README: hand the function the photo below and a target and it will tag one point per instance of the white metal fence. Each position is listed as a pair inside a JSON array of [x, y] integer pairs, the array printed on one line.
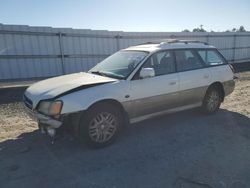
[[37, 52]]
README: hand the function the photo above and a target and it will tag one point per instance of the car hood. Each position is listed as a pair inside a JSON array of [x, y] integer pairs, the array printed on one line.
[[53, 87]]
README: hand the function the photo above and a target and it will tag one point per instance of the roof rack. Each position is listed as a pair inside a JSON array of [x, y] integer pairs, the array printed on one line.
[[187, 41], [169, 41]]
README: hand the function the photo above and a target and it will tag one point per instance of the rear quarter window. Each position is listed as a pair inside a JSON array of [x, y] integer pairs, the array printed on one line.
[[211, 57]]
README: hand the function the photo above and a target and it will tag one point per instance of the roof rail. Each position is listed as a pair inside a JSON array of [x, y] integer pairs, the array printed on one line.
[[151, 42], [169, 41], [187, 41]]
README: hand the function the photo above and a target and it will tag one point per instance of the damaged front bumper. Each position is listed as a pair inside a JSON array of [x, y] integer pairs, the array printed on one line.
[[48, 121]]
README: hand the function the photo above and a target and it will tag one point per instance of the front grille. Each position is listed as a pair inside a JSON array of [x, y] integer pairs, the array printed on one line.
[[28, 103]]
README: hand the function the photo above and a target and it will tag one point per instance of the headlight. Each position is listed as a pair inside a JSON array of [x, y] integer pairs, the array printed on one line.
[[50, 108]]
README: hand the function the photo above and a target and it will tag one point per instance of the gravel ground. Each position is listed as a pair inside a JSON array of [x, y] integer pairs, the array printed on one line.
[[186, 149], [14, 121], [239, 100]]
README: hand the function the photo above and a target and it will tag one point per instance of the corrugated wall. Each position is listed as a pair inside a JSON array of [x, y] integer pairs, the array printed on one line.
[[37, 52]]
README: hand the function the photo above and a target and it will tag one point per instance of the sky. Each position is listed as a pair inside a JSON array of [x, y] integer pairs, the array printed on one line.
[[128, 15]]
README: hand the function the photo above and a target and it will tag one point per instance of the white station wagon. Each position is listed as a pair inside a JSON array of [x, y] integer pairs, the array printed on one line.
[[129, 86]]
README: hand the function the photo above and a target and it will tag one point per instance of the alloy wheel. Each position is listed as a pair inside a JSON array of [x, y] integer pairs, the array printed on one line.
[[103, 127]]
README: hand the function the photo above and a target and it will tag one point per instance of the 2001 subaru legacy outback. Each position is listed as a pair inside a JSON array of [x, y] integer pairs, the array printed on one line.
[[132, 85]]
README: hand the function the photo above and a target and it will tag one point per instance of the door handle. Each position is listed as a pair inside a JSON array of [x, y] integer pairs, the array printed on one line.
[[172, 83]]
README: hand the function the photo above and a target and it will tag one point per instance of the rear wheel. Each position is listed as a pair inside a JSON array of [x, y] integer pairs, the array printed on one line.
[[101, 125], [212, 100]]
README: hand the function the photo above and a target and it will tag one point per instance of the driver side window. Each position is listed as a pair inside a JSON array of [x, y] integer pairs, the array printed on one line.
[[162, 62]]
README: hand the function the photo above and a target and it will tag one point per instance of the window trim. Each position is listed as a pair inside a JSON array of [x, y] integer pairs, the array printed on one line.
[[176, 71]]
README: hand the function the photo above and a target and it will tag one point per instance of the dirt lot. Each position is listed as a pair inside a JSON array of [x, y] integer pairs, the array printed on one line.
[[186, 149]]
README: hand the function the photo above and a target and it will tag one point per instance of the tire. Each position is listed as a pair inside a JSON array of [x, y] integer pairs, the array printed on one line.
[[212, 100], [100, 125]]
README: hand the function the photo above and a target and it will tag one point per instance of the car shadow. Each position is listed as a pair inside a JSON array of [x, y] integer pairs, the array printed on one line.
[[152, 153]]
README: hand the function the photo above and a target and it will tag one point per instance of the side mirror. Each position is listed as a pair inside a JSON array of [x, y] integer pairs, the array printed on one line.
[[147, 73]]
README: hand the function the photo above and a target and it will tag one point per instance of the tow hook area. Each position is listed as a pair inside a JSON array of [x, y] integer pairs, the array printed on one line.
[[45, 129], [51, 132]]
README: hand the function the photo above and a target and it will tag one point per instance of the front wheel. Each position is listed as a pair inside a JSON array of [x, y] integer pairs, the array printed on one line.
[[212, 100], [100, 126]]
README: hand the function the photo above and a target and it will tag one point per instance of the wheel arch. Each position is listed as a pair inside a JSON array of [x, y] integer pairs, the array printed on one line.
[[116, 104], [72, 120]]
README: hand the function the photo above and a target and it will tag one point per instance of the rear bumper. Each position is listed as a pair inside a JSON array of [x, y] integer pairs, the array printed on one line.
[[52, 123]]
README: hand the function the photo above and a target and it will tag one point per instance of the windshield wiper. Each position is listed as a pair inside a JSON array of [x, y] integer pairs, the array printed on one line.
[[108, 74], [98, 73], [113, 75]]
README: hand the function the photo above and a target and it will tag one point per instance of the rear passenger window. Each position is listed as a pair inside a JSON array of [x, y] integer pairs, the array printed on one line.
[[187, 60], [211, 57]]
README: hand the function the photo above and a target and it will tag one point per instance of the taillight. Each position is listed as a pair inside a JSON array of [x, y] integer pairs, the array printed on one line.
[[232, 68]]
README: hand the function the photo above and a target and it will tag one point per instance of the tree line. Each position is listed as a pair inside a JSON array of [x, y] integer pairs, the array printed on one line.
[[201, 29]]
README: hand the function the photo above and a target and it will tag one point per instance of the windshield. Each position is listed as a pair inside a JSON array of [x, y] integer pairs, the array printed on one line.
[[120, 64]]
